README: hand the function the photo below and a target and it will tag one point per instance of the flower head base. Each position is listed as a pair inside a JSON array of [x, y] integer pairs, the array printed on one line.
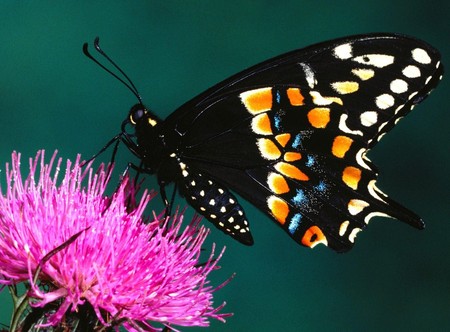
[[128, 271]]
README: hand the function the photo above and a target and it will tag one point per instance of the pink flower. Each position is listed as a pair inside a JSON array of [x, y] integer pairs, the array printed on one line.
[[130, 272]]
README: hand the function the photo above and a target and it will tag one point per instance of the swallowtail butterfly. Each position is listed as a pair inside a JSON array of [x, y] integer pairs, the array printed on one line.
[[291, 135]]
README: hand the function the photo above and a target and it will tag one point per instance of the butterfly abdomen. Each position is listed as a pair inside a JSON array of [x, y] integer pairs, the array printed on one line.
[[216, 203]]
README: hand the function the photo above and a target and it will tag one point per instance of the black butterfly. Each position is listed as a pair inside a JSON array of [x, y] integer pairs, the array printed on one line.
[[290, 135]]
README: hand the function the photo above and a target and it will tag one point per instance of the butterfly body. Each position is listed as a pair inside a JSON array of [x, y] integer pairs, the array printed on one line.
[[290, 135]]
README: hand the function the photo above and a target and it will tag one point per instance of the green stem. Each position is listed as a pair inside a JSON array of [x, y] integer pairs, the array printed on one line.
[[20, 303]]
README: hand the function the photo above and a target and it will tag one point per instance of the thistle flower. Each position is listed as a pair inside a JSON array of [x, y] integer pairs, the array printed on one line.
[[129, 272]]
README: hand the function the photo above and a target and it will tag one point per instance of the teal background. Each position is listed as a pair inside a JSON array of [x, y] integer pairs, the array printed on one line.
[[52, 97]]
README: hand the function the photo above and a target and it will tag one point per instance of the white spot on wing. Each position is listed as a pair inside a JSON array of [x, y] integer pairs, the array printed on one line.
[[382, 135], [343, 52], [374, 191], [343, 227], [412, 95], [399, 86], [309, 74], [375, 214], [377, 60], [343, 126], [398, 119], [411, 71], [369, 118], [360, 158], [421, 56], [384, 101], [355, 206], [353, 233]]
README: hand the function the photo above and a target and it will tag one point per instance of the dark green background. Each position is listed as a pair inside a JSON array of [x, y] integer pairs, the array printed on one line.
[[52, 97]]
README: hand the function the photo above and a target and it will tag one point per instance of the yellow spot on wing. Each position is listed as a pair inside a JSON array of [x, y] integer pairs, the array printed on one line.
[[341, 145], [363, 74], [291, 171], [268, 149], [345, 87], [320, 100], [295, 96], [351, 176], [319, 117], [278, 208], [292, 156], [283, 139], [261, 124], [277, 183], [313, 236], [258, 100]]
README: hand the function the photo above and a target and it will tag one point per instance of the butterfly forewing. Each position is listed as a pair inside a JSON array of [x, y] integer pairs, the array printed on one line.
[[291, 134]]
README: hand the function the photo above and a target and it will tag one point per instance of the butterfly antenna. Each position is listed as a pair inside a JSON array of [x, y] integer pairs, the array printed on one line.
[[128, 83]]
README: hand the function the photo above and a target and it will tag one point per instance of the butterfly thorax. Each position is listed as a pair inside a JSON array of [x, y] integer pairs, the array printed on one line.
[[150, 145]]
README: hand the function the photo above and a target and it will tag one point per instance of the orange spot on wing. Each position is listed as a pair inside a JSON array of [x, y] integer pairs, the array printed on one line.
[[277, 183], [283, 139], [291, 171], [351, 176], [341, 145], [268, 149], [295, 96], [292, 156], [279, 208], [313, 236], [319, 117], [258, 100], [261, 124]]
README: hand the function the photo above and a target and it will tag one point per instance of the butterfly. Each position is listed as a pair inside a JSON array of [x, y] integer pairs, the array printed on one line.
[[290, 135]]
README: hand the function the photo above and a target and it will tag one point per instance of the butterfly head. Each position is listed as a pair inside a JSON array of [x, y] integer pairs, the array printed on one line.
[[139, 116]]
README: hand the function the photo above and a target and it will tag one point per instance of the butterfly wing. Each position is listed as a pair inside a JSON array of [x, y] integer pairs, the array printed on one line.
[[291, 134]]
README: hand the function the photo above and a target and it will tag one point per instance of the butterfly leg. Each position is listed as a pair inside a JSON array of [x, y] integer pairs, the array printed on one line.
[[168, 203], [116, 139]]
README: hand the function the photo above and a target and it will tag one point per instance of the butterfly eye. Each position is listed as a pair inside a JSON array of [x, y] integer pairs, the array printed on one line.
[[137, 112]]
